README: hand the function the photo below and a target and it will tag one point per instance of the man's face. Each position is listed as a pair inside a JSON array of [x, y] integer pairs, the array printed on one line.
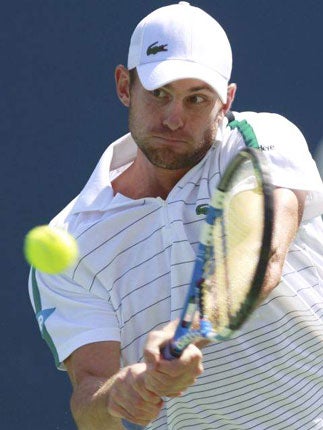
[[174, 126]]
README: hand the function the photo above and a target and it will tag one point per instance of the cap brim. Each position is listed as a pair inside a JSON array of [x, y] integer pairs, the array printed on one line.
[[158, 74]]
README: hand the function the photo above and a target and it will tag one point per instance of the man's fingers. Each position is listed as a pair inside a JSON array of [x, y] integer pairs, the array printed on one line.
[[171, 378], [190, 359], [156, 340], [129, 398]]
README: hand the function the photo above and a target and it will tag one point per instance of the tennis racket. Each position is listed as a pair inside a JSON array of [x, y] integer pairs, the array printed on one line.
[[232, 256]]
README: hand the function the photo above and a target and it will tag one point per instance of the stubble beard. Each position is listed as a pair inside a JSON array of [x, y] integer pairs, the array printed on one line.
[[165, 157]]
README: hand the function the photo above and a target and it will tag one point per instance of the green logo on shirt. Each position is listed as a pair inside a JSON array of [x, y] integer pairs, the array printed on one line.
[[201, 209]]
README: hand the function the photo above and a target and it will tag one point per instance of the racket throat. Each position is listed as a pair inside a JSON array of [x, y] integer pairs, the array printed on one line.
[[206, 329]]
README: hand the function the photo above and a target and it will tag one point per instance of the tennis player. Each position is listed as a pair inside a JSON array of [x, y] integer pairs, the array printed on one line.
[[137, 222]]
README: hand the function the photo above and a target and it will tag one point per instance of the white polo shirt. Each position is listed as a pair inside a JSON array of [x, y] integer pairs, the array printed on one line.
[[136, 258]]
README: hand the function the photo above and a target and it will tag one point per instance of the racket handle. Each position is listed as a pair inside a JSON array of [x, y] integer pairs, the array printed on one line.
[[169, 353], [131, 426]]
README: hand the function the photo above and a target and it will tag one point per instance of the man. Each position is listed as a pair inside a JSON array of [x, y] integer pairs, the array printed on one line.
[[107, 317]]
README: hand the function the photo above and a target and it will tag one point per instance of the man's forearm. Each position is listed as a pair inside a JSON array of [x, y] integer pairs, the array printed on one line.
[[89, 408]]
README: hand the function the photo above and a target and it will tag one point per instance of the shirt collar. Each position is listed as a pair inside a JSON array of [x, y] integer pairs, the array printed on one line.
[[98, 193]]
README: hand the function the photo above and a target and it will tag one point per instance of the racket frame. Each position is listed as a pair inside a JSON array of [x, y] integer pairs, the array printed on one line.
[[185, 332]]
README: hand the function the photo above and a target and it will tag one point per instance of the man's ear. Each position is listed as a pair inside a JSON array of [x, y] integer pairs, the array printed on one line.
[[122, 80], [232, 88]]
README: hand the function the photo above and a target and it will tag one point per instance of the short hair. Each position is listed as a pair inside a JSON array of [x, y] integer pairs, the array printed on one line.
[[133, 76]]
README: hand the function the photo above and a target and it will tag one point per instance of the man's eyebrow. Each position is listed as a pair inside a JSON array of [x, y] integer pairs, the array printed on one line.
[[204, 87]]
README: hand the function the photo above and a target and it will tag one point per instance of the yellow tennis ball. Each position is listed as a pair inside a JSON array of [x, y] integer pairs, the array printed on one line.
[[49, 249]]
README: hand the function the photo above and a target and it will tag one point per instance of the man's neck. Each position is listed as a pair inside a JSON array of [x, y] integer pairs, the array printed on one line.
[[142, 179]]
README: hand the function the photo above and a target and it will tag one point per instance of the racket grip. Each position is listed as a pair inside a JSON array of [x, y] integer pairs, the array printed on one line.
[[131, 426], [169, 353]]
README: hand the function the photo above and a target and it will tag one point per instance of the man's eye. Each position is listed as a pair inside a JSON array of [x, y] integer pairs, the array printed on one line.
[[159, 93], [195, 99]]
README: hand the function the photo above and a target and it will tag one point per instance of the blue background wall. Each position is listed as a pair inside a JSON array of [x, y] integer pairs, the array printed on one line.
[[58, 111]]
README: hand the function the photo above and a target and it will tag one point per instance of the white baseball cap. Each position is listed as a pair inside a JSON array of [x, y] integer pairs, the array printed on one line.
[[177, 42]]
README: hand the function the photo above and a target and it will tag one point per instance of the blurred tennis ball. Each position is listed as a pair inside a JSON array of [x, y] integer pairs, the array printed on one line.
[[49, 249]]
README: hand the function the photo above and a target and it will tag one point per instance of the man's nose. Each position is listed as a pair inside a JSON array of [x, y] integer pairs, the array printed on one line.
[[174, 115]]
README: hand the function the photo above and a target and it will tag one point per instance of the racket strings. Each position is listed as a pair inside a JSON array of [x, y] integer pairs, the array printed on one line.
[[236, 243]]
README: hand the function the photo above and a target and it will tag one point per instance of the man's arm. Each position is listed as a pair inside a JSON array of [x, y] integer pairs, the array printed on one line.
[[288, 207], [102, 393], [288, 212]]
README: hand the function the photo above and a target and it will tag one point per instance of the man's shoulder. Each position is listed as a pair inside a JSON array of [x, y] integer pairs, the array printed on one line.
[[268, 121], [95, 197], [264, 118], [271, 129]]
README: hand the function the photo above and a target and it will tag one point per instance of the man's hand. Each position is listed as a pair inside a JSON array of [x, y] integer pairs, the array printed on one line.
[[170, 378], [129, 398]]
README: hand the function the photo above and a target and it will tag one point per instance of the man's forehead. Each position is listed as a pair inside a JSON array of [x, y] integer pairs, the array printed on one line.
[[189, 85]]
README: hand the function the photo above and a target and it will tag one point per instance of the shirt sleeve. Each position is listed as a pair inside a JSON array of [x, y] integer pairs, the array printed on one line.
[[70, 316], [291, 163]]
